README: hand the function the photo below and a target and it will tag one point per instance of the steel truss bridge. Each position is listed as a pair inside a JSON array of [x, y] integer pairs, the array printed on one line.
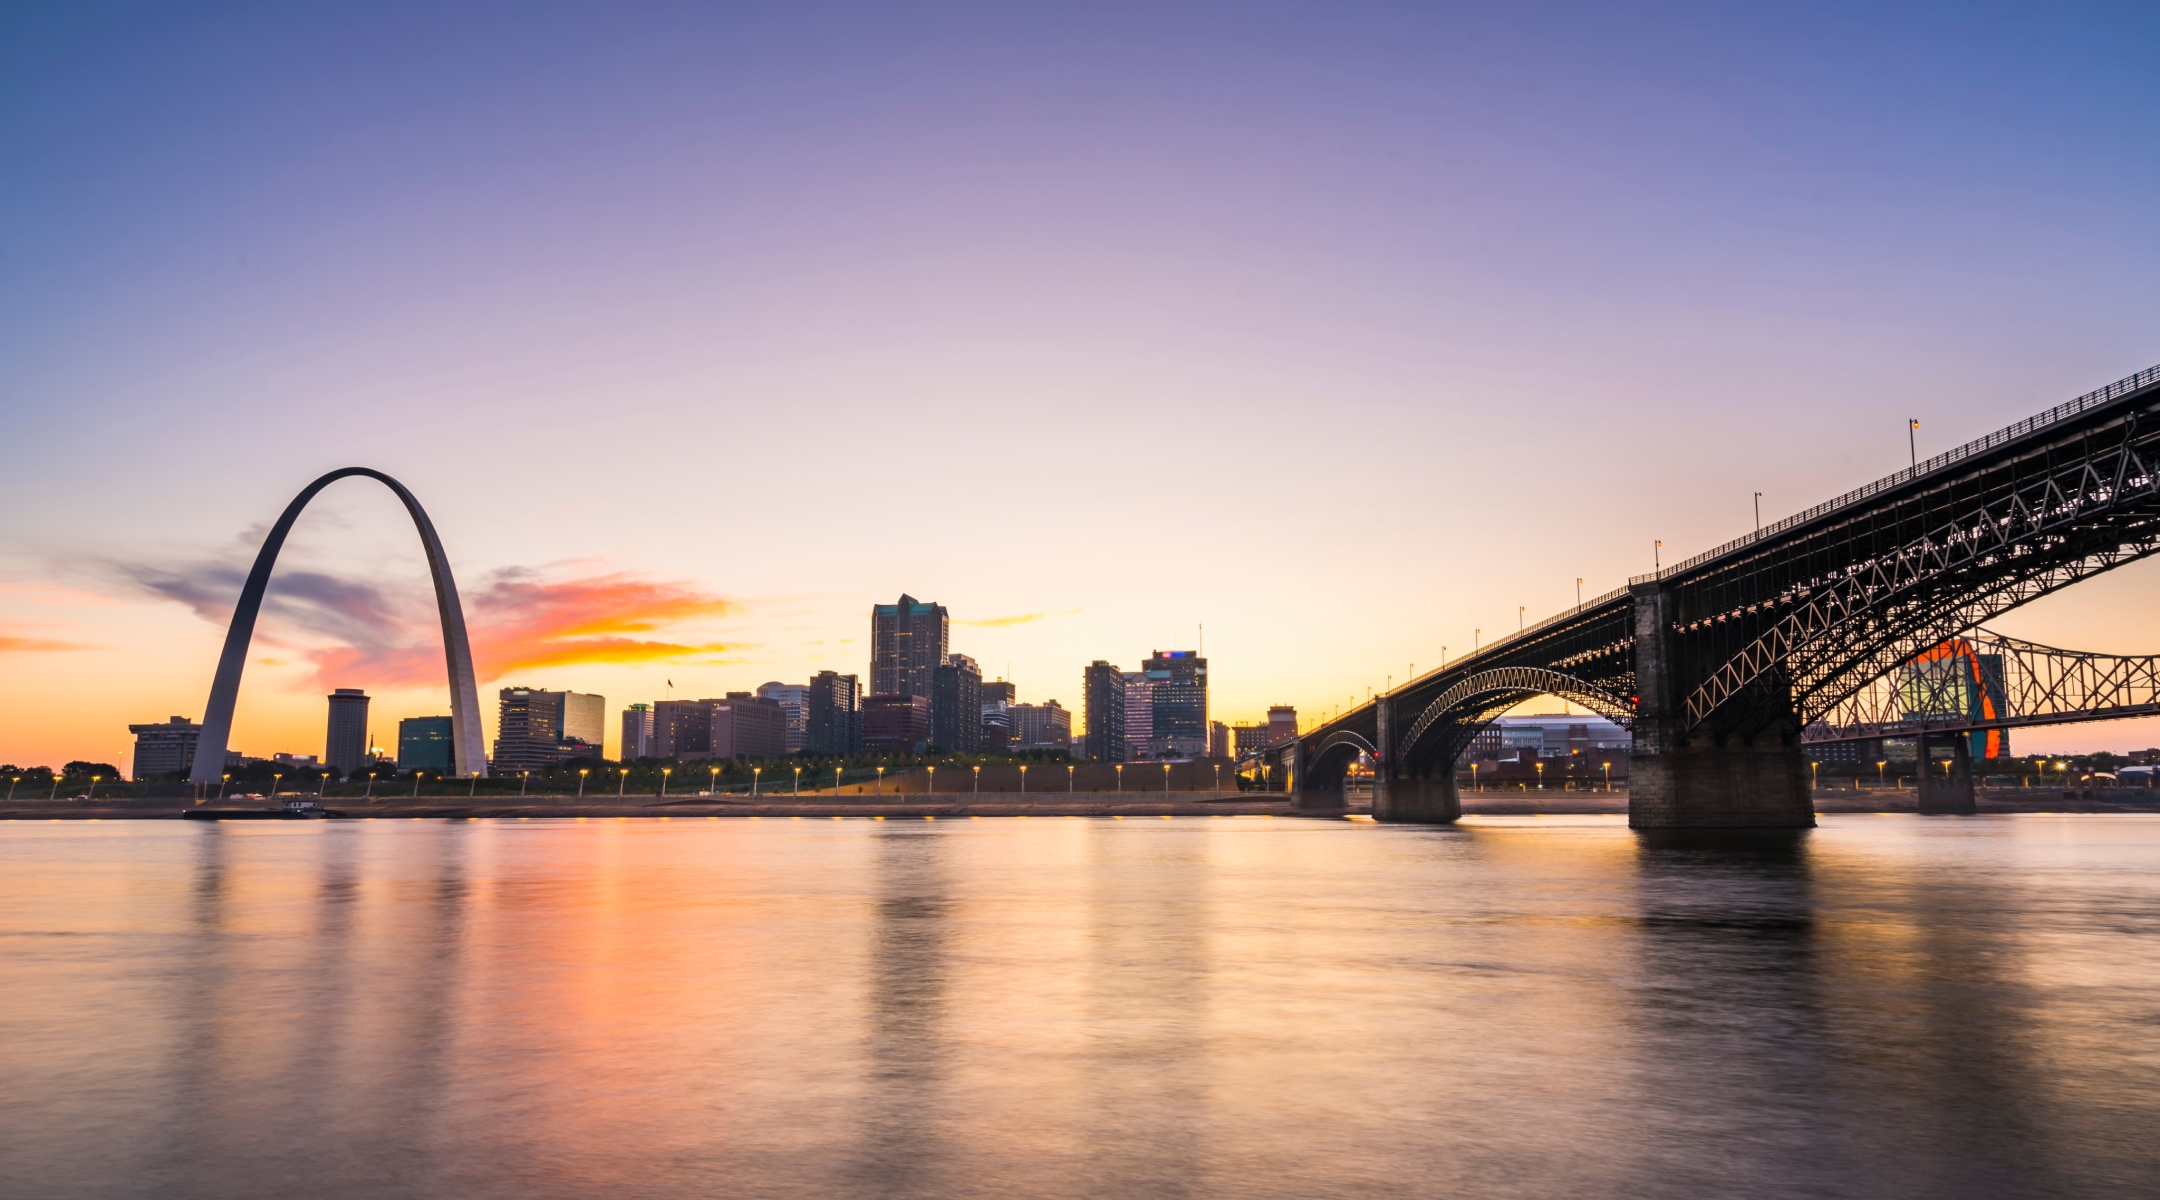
[[1725, 663], [1988, 681]]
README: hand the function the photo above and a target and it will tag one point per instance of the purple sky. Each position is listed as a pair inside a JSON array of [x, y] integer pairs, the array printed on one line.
[[1345, 331]]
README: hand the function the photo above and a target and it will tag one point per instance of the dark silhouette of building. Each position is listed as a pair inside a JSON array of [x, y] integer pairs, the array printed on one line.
[[164, 749], [907, 646], [426, 744], [832, 720], [1102, 707], [956, 690], [346, 744], [538, 728], [637, 733], [1045, 726], [749, 726], [1177, 685], [896, 724]]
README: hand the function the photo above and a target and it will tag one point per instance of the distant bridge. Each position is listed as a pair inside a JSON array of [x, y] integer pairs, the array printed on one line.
[[1725, 663]]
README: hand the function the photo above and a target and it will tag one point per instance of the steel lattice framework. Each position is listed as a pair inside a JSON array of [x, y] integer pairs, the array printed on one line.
[[1775, 632], [1956, 688]]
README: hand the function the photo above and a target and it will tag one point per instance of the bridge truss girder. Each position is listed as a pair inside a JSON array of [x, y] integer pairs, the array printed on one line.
[[1888, 584], [2040, 685]]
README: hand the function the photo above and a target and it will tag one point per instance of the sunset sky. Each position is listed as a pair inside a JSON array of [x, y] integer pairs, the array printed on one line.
[[1344, 330]]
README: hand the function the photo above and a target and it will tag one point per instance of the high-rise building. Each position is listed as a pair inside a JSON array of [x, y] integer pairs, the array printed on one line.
[[637, 733], [1045, 726], [997, 728], [832, 720], [164, 749], [425, 744], [539, 728], [346, 745], [1000, 689], [682, 729], [907, 646], [1178, 695], [1218, 740], [748, 726], [896, 724], [793, 699], [956, 689], [1102, 705], [1282, 724], [1139, 717]]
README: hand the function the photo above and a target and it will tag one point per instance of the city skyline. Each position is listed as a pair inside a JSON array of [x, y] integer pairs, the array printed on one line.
[[1291, 290]]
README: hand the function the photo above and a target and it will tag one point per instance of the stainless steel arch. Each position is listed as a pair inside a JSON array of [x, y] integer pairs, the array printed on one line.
[[225, 687]]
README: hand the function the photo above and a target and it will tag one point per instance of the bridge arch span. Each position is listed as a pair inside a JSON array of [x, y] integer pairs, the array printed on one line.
[[457, 651], [1448, 725], [1329, 761]]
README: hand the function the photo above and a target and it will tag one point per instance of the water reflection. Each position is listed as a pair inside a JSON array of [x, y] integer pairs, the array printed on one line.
[[1192, 1008]]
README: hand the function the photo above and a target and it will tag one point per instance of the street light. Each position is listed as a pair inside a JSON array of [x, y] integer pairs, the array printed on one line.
[[416, 783], [978, 781], [1166, 779], [1121, 779], [473, 789], [1069, 768], [754, 773], [836, 781], [11, 788], [798, 781], [712, 784], [881, 781], [273, 787], [581, 774], [664, 773], [55, 793], [1608, 777], [1023, 779], [222, 781], [93, 787], [1540, 776], [932, 787], [623, 781], [370, 794], [1474, 784], [524, 777], [1879, 783]]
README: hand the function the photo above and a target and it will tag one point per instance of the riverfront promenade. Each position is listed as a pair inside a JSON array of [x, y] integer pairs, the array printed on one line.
[[962, 805]]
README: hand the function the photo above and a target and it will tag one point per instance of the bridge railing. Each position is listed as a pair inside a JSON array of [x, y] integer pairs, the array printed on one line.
[[2061, 412]]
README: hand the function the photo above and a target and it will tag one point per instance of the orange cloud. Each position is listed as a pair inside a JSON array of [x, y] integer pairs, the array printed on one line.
[[519, 623], [28, 645], [1021, 619]]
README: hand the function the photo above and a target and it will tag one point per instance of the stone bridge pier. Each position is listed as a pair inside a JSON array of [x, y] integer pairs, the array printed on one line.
[[1704, 778], [1399, 796], [1947, 792]]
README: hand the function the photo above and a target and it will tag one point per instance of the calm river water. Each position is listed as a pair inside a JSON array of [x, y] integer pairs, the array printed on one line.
[[1235, 1007]]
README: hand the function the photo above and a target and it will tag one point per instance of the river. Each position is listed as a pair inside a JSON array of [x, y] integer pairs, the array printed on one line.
[[1199, 1007]]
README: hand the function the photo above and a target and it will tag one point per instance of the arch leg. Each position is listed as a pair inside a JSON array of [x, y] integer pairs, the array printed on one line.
[[1417, 801]]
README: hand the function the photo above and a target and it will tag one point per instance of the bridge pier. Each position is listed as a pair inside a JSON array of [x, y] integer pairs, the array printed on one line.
[[1680, 778], [1947, 793], [1416, 801]]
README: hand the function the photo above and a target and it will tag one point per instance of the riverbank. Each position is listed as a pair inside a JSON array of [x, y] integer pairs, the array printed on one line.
[[2000, 800]]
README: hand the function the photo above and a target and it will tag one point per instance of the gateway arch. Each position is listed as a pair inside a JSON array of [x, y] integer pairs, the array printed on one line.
[[225, 688]]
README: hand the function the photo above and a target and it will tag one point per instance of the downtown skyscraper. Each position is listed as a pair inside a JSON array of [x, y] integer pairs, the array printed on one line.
[[907, 646]]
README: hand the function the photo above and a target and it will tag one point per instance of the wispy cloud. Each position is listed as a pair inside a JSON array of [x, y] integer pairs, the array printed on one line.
[[13, 644], [352, 630], [1021, 619]]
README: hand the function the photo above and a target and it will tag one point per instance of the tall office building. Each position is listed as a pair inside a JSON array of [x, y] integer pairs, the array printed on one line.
[[346, 745], [996, 728], [682, 729], [1045, 726], [1177, 682], [956, 689], [425, 744], [1000, 689], [164, 749], [896, 724], [1102, 706], [538, 728], [1139, 717], [832, 717], [1282, 724], [907, 646], [637, 733], [1218, 743], [794, 700], [748, 726]]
